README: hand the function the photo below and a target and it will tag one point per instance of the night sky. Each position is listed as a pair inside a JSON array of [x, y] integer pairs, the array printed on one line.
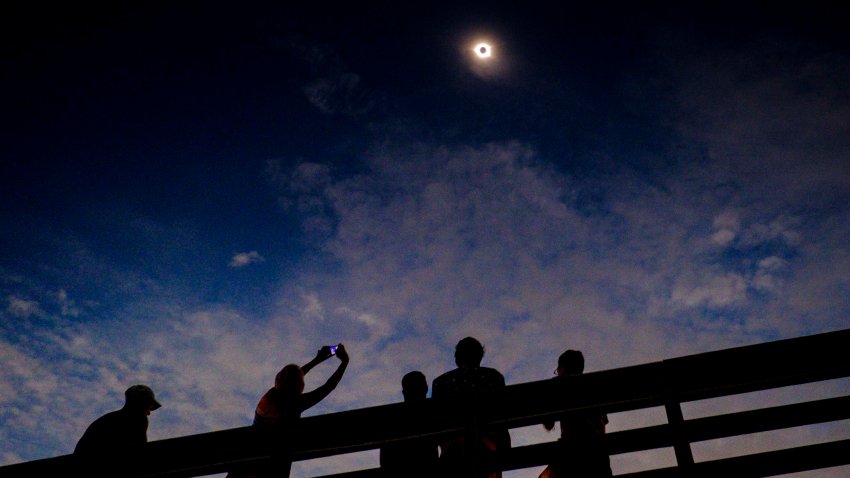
[[193, 196]]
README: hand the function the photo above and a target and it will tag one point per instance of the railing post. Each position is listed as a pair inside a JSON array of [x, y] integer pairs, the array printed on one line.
[[676, 420], [681, 443]]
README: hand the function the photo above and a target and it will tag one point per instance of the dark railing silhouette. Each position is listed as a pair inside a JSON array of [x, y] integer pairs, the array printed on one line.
[[667, 383]]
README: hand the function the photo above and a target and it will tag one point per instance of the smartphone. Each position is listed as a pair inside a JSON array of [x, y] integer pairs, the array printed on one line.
[[333, 349]]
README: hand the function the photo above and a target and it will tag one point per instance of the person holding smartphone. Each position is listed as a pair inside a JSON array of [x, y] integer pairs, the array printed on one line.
[[283, 404]]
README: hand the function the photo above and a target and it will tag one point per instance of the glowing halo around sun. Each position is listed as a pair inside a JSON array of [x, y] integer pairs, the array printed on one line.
[[483, 50], [485, 56]]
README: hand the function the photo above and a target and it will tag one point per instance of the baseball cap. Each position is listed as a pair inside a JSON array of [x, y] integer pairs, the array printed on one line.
[[142, 392]]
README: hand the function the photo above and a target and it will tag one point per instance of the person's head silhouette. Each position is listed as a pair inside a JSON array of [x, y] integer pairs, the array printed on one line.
[[468, 353], [570, 363], [290, 380], [140, 398], [414, 386]]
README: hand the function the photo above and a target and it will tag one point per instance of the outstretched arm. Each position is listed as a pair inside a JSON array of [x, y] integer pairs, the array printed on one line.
[[314, 397], [323, 354]]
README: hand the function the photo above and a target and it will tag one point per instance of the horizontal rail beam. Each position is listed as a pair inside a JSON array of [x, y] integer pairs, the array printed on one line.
[[759, 465], [659, 436]]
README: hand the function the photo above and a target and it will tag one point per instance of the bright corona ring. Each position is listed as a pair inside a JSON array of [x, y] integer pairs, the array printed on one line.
[[483, 50]]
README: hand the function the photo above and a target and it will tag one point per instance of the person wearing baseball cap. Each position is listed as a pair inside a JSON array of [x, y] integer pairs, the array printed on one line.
[[121, 430], [143, 396]]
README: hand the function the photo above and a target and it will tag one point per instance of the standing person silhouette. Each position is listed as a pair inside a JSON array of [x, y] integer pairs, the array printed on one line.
[[464, 454], [114, 435], [283, 404], [414, 458], [582, 450]]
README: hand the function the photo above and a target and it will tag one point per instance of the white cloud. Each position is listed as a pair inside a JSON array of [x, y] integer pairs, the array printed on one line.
[[723, 237], [782, 229], [726, 227], [67, 306], [766, 277], [775, 130], [712, 291], [448, 243], [727, 220], [243, 259], [312, 308], [10, 457], [22, 308]]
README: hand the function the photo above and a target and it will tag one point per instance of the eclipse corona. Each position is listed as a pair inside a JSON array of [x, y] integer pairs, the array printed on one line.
[[483, 50]]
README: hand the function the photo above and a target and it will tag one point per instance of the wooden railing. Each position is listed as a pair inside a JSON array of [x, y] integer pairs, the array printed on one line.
[[667, 383]]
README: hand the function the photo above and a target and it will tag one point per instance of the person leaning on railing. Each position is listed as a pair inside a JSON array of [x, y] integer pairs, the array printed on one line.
[[582, 449], [467, 455], [284, 403], [410, 458], [103, 448]]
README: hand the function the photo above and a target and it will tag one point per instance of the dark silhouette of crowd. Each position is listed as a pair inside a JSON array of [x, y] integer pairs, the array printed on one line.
[[472, 453]]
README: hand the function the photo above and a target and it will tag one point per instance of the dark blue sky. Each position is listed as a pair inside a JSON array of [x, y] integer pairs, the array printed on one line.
[[188, 191]]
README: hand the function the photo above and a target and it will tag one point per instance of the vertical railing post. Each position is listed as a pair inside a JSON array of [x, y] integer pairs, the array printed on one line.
[[676, 420], [681, 444]]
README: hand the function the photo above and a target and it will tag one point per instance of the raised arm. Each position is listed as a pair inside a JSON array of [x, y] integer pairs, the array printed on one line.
[[323, 354], [334, 379], [316, 396]]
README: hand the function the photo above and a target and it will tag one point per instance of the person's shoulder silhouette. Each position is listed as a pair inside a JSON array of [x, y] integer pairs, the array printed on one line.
[[121, 429], [415, 458], [469, 376], [582, 449], [108, 443], [465, 454]]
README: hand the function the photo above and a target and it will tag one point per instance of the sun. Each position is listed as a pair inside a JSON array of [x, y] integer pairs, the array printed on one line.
[[485, 56], [483, 50]]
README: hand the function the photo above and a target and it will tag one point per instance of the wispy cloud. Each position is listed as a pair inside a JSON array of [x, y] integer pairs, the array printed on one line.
[[334, 88], [243, 259], [22, 308], [68, 306]]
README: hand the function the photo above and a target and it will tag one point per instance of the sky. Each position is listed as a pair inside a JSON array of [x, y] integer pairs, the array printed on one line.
[[194, 195]]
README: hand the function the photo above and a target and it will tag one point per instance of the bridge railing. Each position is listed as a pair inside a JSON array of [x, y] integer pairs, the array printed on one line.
[[667, 384]]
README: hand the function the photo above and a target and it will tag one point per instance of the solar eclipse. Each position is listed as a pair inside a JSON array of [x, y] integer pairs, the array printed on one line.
[[483, 50]]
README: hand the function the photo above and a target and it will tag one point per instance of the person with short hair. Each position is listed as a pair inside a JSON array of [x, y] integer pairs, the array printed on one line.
[[582, 450], [411, 458], [465, 453]]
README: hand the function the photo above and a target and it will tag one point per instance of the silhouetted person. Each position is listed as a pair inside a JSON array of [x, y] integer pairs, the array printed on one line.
[[282, 405], [118, 433], [415, 458], [463, 454], [582, 450]]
